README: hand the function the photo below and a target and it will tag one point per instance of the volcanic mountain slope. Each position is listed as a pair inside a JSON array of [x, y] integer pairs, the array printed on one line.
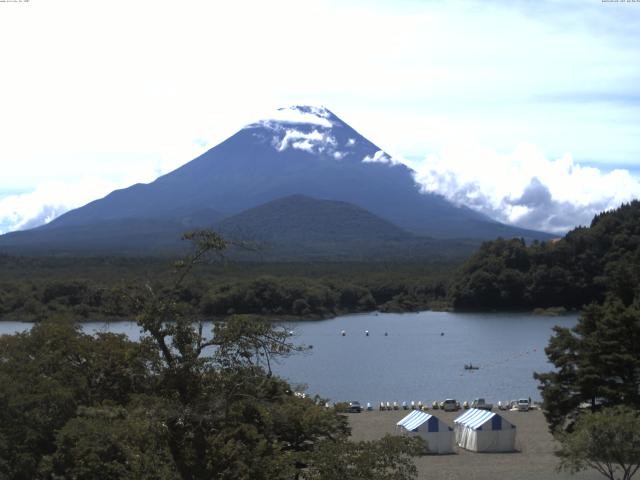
[[304, 228], [302, 150]]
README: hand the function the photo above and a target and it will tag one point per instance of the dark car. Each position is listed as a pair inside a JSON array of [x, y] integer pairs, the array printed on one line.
[[354, 407]]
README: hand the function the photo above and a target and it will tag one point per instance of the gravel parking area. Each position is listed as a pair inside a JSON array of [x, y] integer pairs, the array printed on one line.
[[533, 460]]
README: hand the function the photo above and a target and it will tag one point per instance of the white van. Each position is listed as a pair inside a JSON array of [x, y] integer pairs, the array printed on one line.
[[523, 405]]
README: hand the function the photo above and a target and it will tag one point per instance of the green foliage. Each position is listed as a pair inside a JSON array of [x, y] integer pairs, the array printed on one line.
[[109, 443], [597, 361], [32, 289], [583, 267], [608, 441], [47, 373], [386, 459], [296, 297], [181, 403]]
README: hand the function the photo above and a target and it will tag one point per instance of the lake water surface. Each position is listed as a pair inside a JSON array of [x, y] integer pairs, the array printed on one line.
[[422, 357]]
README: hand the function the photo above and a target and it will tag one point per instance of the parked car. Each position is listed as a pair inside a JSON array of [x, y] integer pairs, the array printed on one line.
[[482, 404], [354, 407], [523, 405], [450, 405]]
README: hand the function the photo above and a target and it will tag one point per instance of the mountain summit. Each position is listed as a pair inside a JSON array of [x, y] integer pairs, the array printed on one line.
[[317, 131], [300, 150]]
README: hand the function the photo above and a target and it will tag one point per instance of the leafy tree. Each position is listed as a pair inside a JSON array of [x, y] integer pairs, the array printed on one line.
[[387, 459], [47, 373], [608, 441], [597, 361], [226, 415], [110, 443]]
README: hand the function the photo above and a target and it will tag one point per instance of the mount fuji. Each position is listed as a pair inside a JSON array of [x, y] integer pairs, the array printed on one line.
[[301, 152]]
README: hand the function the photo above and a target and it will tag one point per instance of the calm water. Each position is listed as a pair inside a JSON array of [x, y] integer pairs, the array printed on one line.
[[414, 361]]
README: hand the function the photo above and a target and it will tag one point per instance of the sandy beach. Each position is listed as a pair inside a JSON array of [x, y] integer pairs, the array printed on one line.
[[533, 460]]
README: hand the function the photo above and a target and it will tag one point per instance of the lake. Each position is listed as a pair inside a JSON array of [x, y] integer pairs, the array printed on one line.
[[422, 357]]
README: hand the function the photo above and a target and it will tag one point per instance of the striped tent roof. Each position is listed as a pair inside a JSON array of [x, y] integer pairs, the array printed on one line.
[[414, 420], [475, 418]]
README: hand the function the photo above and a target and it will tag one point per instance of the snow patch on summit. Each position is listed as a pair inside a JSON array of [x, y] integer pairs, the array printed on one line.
[[305, 128], [312, 142], [298, 115]]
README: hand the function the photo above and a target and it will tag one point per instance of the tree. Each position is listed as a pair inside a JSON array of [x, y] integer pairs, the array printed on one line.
[[597, 361], [49, 372], [387, 459], [226, 415], [608, 441], [111, 443]]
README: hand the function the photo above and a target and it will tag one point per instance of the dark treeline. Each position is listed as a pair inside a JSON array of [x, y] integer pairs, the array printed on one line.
[[581, 268], [97, 288]]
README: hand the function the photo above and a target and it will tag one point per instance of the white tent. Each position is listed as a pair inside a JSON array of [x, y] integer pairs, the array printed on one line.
[[439, 435], [484, 431]]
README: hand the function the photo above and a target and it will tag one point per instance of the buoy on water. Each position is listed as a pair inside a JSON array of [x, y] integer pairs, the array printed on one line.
[[386, 334], [343, 333], [366, 332]]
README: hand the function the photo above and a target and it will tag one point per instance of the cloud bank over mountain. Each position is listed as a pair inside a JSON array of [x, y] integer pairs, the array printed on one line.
[[49, 200], [524, 187]]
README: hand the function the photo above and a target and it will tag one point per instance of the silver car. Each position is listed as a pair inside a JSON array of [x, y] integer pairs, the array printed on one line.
[[450, 405]]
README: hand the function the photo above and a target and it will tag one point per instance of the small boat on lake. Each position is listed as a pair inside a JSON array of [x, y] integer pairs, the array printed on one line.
[[470, 366]]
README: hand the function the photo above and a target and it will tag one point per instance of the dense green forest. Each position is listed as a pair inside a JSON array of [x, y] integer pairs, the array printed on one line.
[[591, 399], [583, 267], [34, 288], [570, 272]]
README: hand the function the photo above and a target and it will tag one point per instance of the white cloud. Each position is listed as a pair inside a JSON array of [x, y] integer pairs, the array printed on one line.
[[48, 201], [379, 157], [314, 141], [312, 115], [51, 198], [81, 100], [524, 187], [297, 137]]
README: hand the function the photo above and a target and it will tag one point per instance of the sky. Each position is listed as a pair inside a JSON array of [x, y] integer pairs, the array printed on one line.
[[526, 110]]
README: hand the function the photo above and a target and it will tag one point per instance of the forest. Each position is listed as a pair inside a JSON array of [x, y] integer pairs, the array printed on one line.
[[504, 274], [583, 267], [33, 288]]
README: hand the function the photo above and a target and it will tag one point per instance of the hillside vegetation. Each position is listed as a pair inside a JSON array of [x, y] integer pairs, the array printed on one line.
[[583, 267], [93, 288]]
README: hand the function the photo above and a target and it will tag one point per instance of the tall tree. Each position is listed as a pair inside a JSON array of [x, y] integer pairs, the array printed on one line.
[[226, 415], [597, 362]]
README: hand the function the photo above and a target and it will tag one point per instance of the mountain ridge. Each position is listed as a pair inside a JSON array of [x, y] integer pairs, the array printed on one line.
[[308, 151]]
